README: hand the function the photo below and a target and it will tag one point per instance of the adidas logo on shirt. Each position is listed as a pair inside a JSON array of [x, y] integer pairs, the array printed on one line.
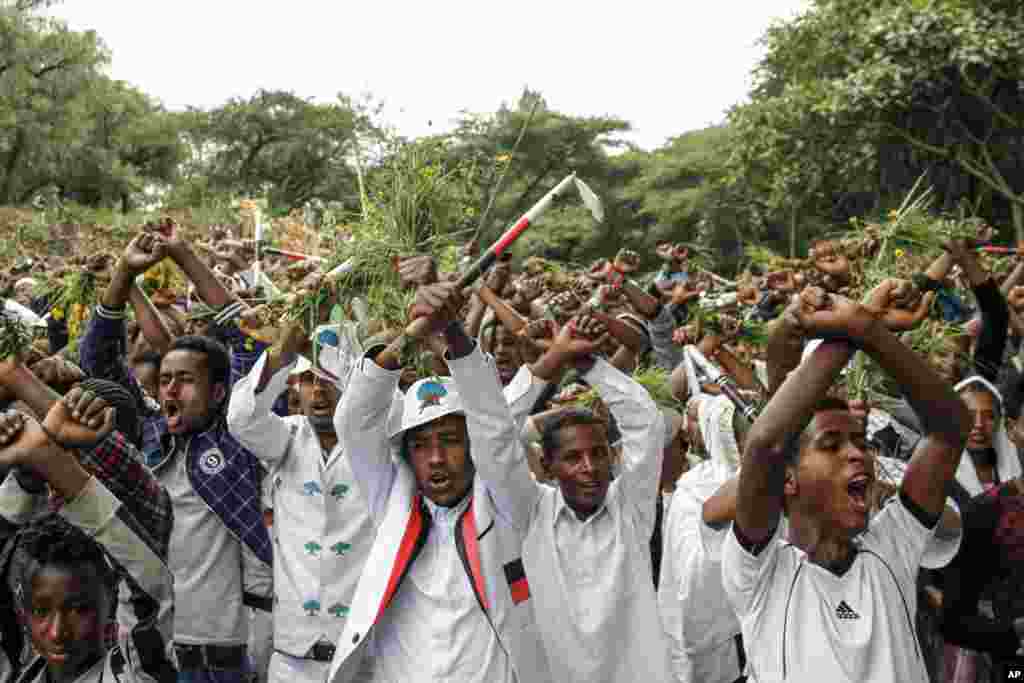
[[844, 611]]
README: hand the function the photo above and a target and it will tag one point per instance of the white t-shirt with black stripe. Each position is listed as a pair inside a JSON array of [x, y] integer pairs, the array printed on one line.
[[801, 622]]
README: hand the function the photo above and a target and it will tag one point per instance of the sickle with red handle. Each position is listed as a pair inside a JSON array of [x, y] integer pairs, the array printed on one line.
[[418, 326]]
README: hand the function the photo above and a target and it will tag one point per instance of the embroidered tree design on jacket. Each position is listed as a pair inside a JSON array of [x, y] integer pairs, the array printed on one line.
[[311, 607], [340, 548], [339, 491], [313, 548], [311, 488], [338, 610]]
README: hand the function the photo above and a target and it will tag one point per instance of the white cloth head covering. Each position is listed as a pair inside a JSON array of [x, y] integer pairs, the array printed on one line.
[[1007, 459]]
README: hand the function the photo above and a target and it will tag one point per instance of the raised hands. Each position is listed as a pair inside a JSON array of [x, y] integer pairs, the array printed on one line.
[[21, 439], [672, 253], [626, 261], [417, 271], [145, 251], [831, 261], [529, 289], [81, 419], [55, 371], [438, 304], [563, 306], [1015, 298], [816, 313], [899, 303]]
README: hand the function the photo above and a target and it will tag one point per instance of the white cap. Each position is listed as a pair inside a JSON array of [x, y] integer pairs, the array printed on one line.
[[425, 401], [302, 365]]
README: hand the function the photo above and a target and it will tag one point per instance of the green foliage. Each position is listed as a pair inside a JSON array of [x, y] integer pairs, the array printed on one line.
[[862, 97], [273, 144], [15, 337], [68, 131]]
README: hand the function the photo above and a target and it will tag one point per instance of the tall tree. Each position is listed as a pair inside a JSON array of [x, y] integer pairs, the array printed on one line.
[[46, 72], [279, 145], [869, 95]]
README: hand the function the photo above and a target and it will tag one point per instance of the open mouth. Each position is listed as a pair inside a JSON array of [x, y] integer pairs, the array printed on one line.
[[858, 490], [439, 480], [172, 411]]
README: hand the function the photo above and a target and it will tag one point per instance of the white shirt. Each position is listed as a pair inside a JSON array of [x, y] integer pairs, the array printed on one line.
[[322, 529], [206, 561], [591, 580], [801, 622], [436, 630], [699, 623]]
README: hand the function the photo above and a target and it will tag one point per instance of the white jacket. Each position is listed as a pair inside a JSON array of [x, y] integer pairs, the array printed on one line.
[[491, 540]]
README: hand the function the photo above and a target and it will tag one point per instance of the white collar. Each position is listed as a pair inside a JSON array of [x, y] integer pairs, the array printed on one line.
[[447, 516], [562, 507]]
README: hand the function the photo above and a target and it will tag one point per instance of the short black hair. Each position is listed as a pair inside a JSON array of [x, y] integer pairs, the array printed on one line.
[[218, 361], [53, 541], [149, 357], [126, 417], [796, 441], [551, 427]]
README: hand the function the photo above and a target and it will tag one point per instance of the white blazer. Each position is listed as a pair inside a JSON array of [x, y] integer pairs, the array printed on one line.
[[490, 537]]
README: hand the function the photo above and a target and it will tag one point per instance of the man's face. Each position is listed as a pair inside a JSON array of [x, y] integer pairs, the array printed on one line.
[[581, 464], [317, 396], [186, 396], [984, 419], [67, 615], [506, 354], [439, 454], [198, 327], [833, 478]]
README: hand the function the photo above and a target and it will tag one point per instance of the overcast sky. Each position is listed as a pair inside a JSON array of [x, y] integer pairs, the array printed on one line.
[[666, 66]]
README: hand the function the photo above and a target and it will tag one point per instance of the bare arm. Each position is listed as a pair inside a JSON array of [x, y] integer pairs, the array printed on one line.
[[644, 303], [720, 509], [1014, 278], [209, 288], [785, 347], [940, 267], [763, 474], [508, 316], [150, 322], [942, 414]]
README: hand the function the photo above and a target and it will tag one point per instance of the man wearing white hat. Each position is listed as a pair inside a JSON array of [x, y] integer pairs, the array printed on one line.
[[447, 598], [322, 530]]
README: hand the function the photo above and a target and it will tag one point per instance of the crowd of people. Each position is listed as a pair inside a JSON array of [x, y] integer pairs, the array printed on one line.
[[581, 475]]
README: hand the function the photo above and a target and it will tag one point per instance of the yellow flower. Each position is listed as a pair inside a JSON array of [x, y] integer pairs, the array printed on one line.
[[894, 213], [57, 313], [502, 158], [898, 253]]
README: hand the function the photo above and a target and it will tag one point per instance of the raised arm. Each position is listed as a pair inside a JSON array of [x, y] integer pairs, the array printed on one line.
[[102, 348], [152, 324], [763, 473], [96, 510], [499, 455], [643, 437], [361, 422], [251, 418]]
